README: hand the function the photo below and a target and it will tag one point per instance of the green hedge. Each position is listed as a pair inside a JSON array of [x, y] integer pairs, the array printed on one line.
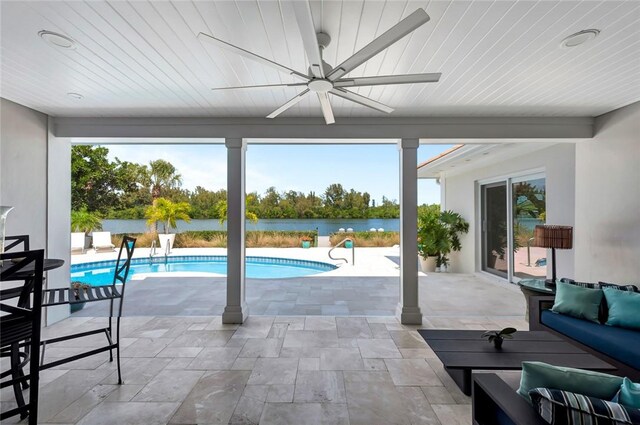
[[218, 238], [367, 239]]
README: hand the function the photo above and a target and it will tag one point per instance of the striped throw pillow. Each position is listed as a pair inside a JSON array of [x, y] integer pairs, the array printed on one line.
[[631, 288], [558, 407]]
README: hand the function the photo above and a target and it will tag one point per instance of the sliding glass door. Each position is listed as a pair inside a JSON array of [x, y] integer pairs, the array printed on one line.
[[510, 210], [494, 229]]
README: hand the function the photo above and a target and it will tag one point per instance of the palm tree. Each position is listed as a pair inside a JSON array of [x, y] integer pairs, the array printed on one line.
[[221, 210], [84, 221], [168, 213], [163, 176]]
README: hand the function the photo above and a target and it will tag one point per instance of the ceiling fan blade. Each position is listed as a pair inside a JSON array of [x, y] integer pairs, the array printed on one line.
[[263, 86], [289, 104], [247, 54], [302, 11], [393, 34], [388, 79], [327, 111], [365, 101]]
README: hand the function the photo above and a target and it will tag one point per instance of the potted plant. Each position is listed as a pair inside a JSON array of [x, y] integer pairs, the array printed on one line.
[[168, 213], [348, 243], [76, 287], [432, 237], [497, 337], [306, 242], [85, 222], [454, 225]]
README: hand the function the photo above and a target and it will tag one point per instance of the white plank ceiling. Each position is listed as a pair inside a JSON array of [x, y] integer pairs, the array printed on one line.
[[142, 58]]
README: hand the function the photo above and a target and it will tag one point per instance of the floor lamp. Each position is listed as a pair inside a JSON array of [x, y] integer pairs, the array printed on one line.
[[554, 237]]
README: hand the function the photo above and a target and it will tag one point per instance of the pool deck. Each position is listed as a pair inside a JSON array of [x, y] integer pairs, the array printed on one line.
[[368, 261], [282, 366], [368, 288]]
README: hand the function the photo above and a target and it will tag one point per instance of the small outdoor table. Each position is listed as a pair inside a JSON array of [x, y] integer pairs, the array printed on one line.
[[531, 287], [462, 351], [27, 272]]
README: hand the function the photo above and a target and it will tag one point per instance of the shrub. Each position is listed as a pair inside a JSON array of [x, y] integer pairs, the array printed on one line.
[[218, 238], [85, 221], [143, 240], [367, 239]]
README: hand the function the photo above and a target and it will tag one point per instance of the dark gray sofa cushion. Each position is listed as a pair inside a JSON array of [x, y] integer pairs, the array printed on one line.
[[618, 343]]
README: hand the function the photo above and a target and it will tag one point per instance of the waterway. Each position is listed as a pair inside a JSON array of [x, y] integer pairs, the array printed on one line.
[[324, 226]]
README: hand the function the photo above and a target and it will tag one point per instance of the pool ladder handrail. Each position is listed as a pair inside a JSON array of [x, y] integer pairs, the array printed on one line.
[[152, 252], [353, 251]]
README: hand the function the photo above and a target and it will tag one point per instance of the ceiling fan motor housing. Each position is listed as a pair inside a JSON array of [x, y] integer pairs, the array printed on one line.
[[320, 85]]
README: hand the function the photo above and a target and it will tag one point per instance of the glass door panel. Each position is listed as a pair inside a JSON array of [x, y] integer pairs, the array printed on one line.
[[494, 229], [529, 209]]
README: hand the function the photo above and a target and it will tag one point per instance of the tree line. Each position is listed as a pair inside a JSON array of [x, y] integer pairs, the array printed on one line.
[[124, 190]]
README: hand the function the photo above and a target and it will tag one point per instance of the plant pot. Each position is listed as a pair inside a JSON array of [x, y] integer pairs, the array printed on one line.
[[497, 343], [442, 269], [348, 244], [428, 265], [491, 261], [76, 307], [166, 238], [306, 244]]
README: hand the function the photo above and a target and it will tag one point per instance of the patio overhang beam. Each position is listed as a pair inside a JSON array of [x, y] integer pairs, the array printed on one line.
[[345, 128]]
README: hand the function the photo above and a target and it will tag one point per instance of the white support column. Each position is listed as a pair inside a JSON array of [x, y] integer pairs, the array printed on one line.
[[58, 219], [236, 310], [408, 310]]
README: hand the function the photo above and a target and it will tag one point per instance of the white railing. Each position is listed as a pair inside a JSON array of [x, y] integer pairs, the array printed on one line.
[[353, 251]]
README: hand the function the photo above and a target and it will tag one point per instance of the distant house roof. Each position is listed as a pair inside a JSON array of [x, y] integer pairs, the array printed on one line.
[[441, 155]]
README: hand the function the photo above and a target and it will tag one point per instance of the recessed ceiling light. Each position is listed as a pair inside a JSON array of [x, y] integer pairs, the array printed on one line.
[[57, 40], [77, 96], [580, 37]]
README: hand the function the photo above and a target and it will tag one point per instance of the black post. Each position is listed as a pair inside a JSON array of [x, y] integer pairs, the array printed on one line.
[[552, 282]]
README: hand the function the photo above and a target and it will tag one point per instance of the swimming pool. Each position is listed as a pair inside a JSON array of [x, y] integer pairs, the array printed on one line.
[[101, 272]]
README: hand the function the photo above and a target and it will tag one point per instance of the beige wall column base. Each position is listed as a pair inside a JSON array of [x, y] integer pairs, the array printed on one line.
[[409, 315], [235, 314]]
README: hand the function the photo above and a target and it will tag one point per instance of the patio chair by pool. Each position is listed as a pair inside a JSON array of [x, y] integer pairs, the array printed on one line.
[[111, 293], [77, 242], [102, 240], [20, 324]]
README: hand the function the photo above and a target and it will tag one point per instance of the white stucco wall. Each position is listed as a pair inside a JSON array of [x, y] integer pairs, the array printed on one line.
[[558, 163], [23, 171], [34, 179], [607, 236]]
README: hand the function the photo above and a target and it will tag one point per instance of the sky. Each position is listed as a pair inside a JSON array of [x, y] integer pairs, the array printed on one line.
[[365, 168]]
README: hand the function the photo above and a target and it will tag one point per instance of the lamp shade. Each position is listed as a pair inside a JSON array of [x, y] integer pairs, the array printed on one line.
[[551, 236]]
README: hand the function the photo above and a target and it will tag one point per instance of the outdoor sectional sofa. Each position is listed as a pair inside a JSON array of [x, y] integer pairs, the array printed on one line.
[[617, 346], [494, 397]]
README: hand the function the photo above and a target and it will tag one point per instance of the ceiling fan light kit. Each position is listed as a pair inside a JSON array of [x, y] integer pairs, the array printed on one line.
[[322, 79]]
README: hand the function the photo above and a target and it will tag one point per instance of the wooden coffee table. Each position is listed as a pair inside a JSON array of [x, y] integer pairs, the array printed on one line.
[[462, 351]]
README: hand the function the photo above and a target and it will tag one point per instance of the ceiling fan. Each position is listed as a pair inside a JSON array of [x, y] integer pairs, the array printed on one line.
[[323, 79]]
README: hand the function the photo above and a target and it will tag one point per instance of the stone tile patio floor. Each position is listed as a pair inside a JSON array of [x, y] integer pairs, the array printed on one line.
[[272, 369]]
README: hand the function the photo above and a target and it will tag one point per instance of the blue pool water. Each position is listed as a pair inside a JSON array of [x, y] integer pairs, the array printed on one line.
[[101, 272]]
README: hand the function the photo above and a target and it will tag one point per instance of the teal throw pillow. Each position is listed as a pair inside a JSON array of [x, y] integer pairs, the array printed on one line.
[[629, 394], [624, 308], [591, 384], [576, 301]]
